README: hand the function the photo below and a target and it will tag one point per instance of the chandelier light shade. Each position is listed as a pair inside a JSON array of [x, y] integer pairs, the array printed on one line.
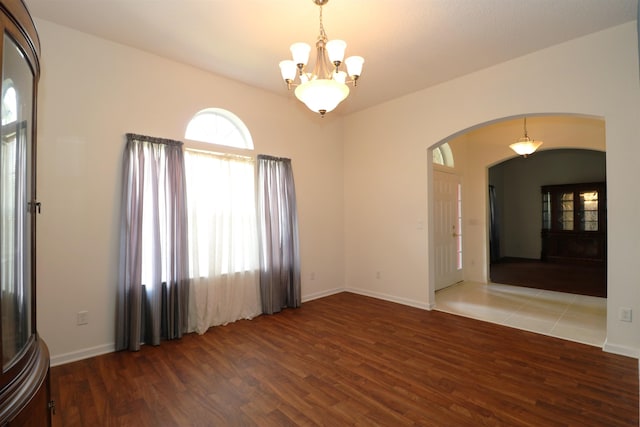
[[322, 95], [525, 145], [323, 89]]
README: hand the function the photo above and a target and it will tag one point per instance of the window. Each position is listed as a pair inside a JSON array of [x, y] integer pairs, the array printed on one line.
[[200, 259], [222, 234], [190, 254], [443, 155], [220, 127], [222, 214], [220, 197]]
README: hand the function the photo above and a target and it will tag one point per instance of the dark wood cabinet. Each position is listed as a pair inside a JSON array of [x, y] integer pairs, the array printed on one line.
[[24, 358], [574, 225]]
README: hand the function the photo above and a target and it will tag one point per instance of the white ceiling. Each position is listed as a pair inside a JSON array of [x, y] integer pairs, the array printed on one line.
[[408, 45]]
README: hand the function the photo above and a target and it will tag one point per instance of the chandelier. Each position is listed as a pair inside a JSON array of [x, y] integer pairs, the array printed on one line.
[[326, 87], [525, 145]]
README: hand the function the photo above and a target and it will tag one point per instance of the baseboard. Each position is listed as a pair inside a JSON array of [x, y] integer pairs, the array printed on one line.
[[621, 350], [391, 298], [322, 294], [86, 353]]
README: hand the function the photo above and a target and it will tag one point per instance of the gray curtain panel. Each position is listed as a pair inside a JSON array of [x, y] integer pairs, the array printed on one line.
[[279, 246], [153, 286]]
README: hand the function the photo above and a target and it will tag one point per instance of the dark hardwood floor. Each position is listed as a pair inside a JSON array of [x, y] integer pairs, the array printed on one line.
[[574, 278], [352, 360]]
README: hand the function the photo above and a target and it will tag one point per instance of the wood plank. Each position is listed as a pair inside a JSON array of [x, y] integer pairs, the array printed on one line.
[[352, 360]]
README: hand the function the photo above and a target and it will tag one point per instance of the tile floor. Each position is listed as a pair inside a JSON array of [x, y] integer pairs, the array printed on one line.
[[573, 317]]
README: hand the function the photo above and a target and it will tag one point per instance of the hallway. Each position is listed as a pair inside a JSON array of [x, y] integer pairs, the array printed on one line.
[[578, 318]]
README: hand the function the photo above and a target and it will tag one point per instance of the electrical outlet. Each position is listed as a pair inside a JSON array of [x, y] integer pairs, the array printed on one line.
[[624, 314], [82, 318], [312, 276]]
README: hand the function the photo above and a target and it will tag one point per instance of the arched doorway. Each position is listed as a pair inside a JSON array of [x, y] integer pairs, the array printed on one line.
[[548, 221], [483, 146]]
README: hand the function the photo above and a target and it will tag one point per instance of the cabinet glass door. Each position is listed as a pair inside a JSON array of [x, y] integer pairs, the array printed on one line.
[[565, 211], [15, 197], [588, 210]]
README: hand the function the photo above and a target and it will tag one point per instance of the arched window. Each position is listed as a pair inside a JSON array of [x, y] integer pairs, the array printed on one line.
[[220, 127], [442, 155], [222, 220]]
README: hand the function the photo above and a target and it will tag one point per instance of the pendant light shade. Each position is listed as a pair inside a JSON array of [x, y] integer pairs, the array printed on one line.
[[322, 95], [525, 145]]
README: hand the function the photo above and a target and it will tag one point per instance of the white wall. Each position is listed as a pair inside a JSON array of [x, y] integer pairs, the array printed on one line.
[[91, 93], [362, 207], [386, 174]]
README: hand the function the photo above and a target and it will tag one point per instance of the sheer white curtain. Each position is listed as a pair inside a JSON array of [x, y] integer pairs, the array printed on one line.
[[223, 240]]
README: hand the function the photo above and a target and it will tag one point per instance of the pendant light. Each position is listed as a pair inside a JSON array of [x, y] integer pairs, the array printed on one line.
[[525, 145]]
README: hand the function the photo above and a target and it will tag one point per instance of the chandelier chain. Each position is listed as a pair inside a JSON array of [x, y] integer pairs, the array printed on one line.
[[323, 34]]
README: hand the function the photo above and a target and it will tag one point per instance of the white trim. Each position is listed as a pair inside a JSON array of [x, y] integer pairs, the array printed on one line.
[[322, 294], [621, 350], [86, 353], [391, 298]]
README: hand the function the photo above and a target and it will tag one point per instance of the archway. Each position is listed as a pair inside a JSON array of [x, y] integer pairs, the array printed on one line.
[[544, 233], [484, 145]]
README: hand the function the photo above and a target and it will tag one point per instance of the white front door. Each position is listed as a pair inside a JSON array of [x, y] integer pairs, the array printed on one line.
[[448, 228]]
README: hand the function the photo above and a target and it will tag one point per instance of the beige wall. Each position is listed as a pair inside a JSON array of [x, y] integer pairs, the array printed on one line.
[[387, 173], [92, 92]]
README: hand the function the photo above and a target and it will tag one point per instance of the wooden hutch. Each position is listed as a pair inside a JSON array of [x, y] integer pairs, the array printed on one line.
[[24, 378]]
